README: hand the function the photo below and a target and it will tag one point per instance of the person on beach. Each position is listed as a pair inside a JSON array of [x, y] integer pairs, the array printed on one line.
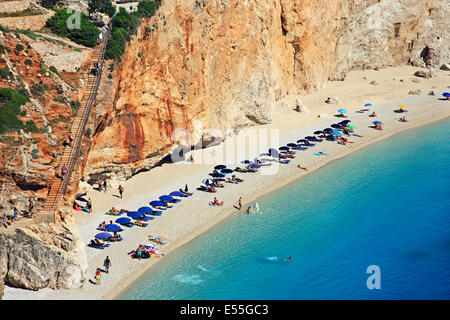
[[249, 210], [240, 203], [191, 159], [303, 168], [403, 119], [120, 190], [97, 276], [15, 213], [100, 185], [89, 205], [30, 207], [104, 185], [139, 252], [185, 192], [216, 202], [373, 115], [107, 264]]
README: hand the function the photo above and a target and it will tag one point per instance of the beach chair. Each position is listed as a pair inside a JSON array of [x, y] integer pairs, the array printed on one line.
[[99, 245], [141, 224]]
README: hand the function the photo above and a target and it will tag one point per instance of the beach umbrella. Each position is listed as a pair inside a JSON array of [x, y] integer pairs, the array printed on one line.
[[345, 121], [351, 127], [327, 130], [376, 122], [220, 167], [157, 203], [226, 171], [335, 133], [368, 105], [342, 111], [177, 194], [293, 145], [208, 181], [113, 227], [446, 94], [165, 198], [103, 235], [302, 141], [135, 214], [123, 220], [146, 218], [318, 132], [284, 148], [402, 106], [145, 210], [336, 126]]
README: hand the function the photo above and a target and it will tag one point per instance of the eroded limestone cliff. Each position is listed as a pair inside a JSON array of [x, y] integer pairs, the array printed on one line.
[[223, 64]]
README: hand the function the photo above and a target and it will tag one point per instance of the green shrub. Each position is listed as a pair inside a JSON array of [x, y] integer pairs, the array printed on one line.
[[19, 47], [75, 105], [104, 6], [10, 103], [125, 24], [86, 35], [28, 62], [5, 73], [53, 69], [30, 126]]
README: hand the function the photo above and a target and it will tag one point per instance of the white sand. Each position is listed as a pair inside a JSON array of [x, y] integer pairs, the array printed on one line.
[[193, 215]]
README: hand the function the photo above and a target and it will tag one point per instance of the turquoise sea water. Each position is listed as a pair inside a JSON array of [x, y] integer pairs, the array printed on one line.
[[387, 205]]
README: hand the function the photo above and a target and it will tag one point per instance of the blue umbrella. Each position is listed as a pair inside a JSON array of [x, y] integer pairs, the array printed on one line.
[[145, 210], [123, 220], [113, 227], [146, 218], [293, 145], [208, 181], [318, 132], [220, 166], [226, 171], [336, 126], [342, 111], [345, 122], [376, 122], [446, 94], [284, 148], [134, 214], [302, 141], [368, 105], [177, 194], [327, 130], [165, 198], [157, 203], [103, 235], [335, 133]]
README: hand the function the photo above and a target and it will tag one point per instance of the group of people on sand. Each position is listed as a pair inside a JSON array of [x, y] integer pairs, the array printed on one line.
[[98, 274]]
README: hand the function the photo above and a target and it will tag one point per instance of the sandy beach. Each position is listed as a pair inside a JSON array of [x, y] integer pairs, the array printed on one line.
[[193, 215]]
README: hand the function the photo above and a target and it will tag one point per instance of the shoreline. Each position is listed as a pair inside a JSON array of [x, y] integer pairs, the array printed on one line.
[[127, 282], [192, 217]]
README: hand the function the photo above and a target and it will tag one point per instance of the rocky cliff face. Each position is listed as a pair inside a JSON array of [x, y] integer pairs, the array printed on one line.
[[45, 255], [223, 64]]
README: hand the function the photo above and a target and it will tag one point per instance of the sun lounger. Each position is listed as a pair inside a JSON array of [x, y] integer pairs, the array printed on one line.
[[99, 245]]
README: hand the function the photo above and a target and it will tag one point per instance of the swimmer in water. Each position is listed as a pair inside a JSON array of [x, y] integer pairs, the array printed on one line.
[[288, 259]]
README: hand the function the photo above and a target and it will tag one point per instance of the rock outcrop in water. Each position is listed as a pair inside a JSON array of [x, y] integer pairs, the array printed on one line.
[[201, 65]]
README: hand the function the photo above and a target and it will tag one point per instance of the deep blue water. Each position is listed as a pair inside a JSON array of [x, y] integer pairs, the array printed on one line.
[[387, 205]]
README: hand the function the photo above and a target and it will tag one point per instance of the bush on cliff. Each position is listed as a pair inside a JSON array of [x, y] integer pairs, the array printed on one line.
[[10, 103], [125, 24], [103, 6], [86, 34]]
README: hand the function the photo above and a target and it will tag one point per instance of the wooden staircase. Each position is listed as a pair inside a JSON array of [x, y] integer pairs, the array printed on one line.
[[71, 153]]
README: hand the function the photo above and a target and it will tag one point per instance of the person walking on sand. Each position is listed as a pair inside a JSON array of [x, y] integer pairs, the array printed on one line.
[[89, 205], [240, 203], [97, 276], [107, 264], [104, 185], [120, 190]]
